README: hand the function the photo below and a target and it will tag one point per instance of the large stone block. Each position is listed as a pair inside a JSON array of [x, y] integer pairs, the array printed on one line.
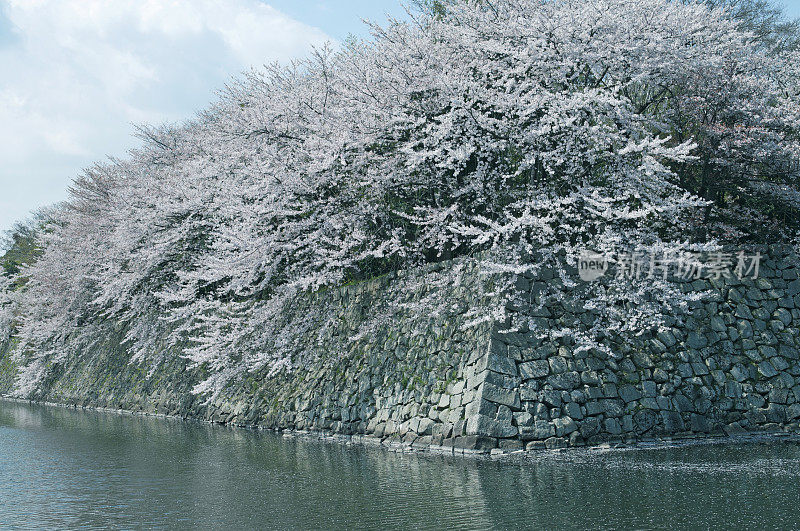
[[564, 426], [673, 422], [498, 395], [540, 430], [483, 425], [534, 369], [565, 381], [478, 443], [629, 393], [497, 362]]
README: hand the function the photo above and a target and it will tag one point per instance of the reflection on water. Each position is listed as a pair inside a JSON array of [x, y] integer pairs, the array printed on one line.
[[65, 468]]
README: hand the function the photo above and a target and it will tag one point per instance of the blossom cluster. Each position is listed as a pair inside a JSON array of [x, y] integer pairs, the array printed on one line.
[[523, 130]]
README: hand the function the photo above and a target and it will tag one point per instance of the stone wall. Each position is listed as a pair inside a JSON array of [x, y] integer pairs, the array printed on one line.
[[426, 380], [732, 367], [410, 378]]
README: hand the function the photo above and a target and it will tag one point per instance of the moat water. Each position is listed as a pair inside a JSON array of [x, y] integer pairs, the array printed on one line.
[[63, 468]]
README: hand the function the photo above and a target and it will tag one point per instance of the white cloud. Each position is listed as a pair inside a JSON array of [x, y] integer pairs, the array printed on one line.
[[76, 73]]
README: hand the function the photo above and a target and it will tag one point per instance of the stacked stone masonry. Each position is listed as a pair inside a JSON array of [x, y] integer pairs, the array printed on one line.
[[733, 367]]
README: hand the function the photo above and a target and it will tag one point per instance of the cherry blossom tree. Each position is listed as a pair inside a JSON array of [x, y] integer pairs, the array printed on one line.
[[520, 131]]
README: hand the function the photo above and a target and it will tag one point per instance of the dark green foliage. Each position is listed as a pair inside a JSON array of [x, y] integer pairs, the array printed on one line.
[[21, 245]]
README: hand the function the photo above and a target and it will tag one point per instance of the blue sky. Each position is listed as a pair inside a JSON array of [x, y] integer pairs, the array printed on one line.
[[78, 73]]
